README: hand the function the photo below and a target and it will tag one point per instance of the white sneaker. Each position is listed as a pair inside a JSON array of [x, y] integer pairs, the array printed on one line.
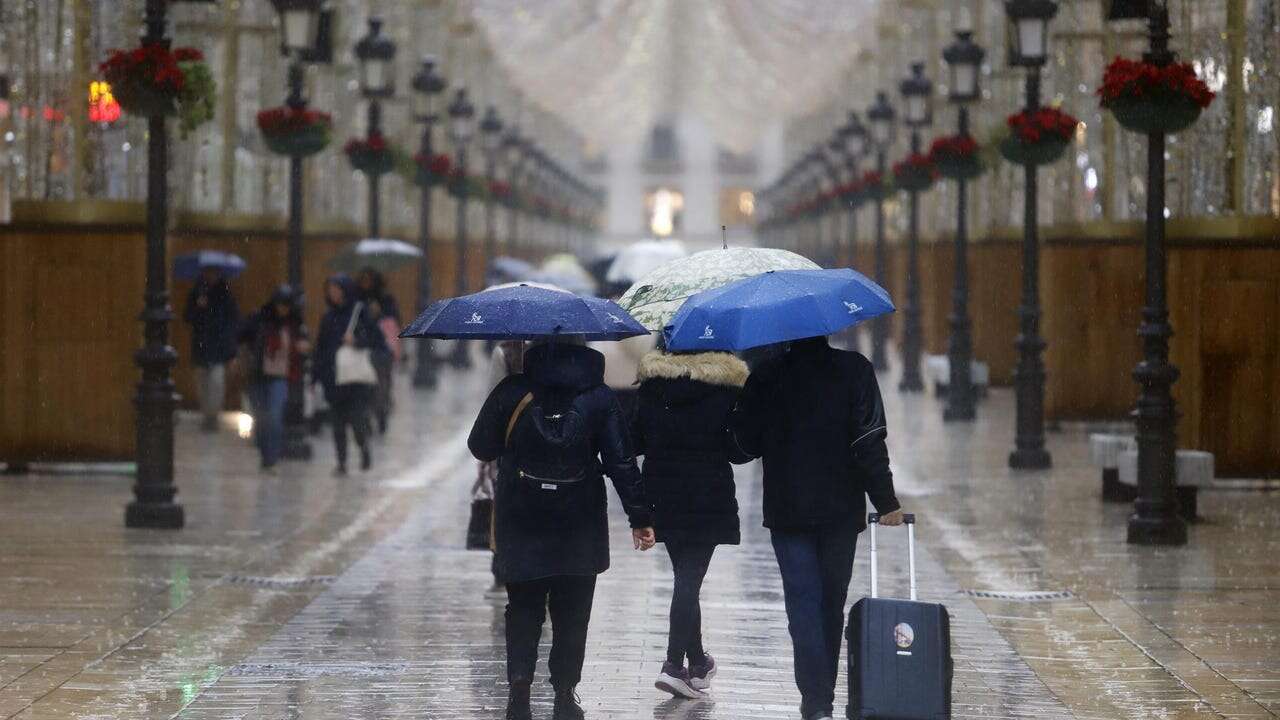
[[675, 680]]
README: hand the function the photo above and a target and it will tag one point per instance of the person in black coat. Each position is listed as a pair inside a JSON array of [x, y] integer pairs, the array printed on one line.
[[815, 416], [277, 343], [349, 404], [554, 429], [682, 430], [214, 318], [372, 289]]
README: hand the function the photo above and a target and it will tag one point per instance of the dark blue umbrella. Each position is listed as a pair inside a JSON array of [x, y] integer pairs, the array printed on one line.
[[188, 267], [775, 307], [523, 312]]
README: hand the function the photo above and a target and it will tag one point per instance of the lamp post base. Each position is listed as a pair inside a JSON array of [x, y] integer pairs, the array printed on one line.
[[959, 411], [1166, 529], [296, 446], [159, 516], [461, 357], [424, 372], [1030, 459]]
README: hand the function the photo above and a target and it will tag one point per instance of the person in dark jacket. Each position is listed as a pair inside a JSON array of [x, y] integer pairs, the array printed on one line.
[[277, 343], [212, 313], [815, 416], [381, 304], [554, 429], [348, 404], [682, 430]]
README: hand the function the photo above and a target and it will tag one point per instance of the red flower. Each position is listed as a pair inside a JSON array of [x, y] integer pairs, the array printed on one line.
[[372, 144], [914, 162], [152, 65], [438, 164], [1138, 79], [499, 188], [286, 120], [1033, 126], [953, 147]]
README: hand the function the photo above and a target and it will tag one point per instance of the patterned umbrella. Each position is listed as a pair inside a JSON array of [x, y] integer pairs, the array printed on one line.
[[381, 254], [655, 299]]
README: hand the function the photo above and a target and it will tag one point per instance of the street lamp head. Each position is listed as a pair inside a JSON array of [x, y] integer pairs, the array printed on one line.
[[964, 58], [376, 52], [882, 116], [1029, 27], [428, 83], [917, 91], [299, 24], [855, 136], [491, 132], [461, 114], [1128, 9]]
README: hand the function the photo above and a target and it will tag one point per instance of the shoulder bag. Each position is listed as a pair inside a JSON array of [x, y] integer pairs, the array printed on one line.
[[353, 365]]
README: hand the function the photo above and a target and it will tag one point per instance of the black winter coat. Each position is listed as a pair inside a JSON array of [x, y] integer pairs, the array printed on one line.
[[214, 326], [682, 430], [333, 327], [815, 416], [529, 545]]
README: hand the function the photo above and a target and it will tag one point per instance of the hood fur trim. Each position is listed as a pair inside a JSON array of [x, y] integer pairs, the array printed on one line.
[[713, 368]]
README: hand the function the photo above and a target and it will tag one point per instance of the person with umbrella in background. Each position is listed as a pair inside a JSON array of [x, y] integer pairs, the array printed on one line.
[[384, 311], [212, 313], [346, 324], [277, 344]]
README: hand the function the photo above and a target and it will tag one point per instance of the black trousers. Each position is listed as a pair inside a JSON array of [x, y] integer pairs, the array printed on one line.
[[569, 598], [349, 406], [690, 563]]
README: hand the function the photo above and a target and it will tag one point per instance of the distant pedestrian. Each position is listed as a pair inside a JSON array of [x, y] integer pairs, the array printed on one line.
[[682, 430], [349, 404], [384, 311], [815, 416], [214, 318], [621, 368], [555, 429], [277, 344]]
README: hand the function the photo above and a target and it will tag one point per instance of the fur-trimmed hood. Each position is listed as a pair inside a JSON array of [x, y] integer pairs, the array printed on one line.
[[712, 368]]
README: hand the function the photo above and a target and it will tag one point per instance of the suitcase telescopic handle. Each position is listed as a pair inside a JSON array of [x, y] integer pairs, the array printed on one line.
[[909, 519]]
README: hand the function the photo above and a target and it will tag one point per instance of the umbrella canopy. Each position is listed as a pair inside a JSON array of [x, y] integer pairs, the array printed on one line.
[[523, 312], [776, 307], [188, 267], [564, 269], [656, 297], [511, 269], [641, 258], [381, 254]]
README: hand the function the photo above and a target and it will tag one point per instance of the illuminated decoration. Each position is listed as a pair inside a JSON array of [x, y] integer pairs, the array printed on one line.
[[103, 107], [664, 208]]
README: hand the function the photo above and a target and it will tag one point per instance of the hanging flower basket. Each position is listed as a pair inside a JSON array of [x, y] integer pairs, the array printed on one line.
[[872, 187], [1145, 97], [153, 80], [431, 170], [850, 193], [914, 174], [294, 133], [957, 157], [370, 156], [500, 192], [1038, 137]]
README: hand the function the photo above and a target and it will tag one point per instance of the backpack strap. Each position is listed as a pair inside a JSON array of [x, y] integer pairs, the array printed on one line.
[[511, 424]]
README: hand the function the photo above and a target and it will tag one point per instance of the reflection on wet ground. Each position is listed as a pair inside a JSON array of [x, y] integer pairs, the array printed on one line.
[[303, 596]]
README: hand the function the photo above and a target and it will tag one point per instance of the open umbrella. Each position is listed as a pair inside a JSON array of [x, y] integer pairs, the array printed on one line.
[[189, 266], [511, 269], [656, 297], [776, 307], [641, 258], [565, 270], [523, 312], [381, 254]]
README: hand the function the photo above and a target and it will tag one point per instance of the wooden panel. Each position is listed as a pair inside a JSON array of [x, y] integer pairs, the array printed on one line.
[[995, 287], [937, 278]]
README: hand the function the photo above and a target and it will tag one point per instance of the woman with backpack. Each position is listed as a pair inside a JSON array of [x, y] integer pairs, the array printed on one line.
[[554, 429], [682, 430]]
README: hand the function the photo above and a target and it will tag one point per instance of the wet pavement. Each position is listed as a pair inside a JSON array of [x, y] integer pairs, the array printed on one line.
[[306, 596]]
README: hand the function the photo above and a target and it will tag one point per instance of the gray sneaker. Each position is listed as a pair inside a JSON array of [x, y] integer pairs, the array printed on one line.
[[675, 680], [700, 674]]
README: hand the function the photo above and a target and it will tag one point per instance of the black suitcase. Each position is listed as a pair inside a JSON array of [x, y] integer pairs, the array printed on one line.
[[899, 651]]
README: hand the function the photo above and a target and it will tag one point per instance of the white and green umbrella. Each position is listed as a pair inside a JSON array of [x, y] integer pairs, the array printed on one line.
[[656, 297]]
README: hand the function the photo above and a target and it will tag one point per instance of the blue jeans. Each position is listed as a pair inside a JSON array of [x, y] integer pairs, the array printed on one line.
[[816, 565], [268, 398]]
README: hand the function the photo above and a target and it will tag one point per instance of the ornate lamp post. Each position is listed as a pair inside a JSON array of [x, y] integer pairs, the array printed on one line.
[[428, 84], [853, 136], [917, 93], [491, 144], [461, 115], [518, 155], [964, 58], [882, 118], [831, 162], [1155, 519], [375, 52], [1030, 31]]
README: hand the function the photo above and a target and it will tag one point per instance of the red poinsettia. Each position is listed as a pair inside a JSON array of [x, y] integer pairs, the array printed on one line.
[[1137, 79], [914, 163], [152, 66], [952, 147], [1042, 124], [499, 188], [437, 164], [870, 179], [372, 144], [287, 121]]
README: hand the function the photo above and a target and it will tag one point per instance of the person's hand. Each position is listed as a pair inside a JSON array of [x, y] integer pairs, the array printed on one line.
[[891, 519], [349, 339], [643, 538], [303, 346], [202, 301]]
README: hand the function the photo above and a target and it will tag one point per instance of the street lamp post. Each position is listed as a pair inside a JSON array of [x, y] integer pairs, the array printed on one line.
[[491, 144], [515, 146], [831, 159], [881, 116], [427, 86], [461, 114], [1030, 32], [917, 93], [375, 53], [853, 136], [964, 58]]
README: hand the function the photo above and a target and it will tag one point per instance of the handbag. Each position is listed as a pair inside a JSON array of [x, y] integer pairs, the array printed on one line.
[[480, 525], [353, 365]]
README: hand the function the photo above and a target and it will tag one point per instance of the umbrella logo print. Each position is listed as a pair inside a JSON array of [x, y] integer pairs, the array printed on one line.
[[708, 333], [476, 319], [854, 308], [616, 320]]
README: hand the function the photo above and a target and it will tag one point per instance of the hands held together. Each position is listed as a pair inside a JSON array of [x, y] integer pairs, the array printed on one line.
[[643, 538]]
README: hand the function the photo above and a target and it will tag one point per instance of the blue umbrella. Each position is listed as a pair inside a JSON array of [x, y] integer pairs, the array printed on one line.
[[512, 269], [188, 267], [775, 307], [523, 312]]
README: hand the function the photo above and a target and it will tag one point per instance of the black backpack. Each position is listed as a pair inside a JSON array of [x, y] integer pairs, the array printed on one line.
[[550, 458]]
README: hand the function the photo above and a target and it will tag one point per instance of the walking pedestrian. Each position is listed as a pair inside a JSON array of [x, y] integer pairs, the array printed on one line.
[[555, 429], [276, 340], [212, 313], [384, 312], [621, 368], [815, 416], [507, 359], [682, 430], [346, 324]]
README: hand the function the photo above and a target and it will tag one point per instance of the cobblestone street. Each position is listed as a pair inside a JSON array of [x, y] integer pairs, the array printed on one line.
[[306, 596]]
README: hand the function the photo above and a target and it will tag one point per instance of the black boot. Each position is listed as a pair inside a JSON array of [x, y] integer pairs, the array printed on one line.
[[518, 702], [567, 707], [366, 458]]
